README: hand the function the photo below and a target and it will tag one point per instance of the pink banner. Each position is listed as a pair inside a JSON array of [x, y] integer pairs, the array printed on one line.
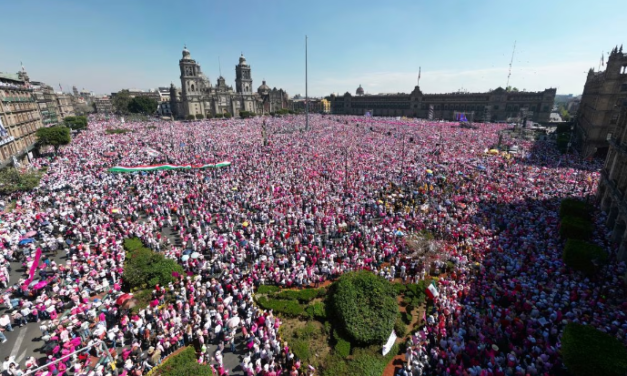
[[33, 269]]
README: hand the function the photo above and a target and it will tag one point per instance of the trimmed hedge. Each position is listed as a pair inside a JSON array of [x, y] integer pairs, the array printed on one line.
[[303, 296], [286, 307], [364, 306], [587, 351], [144, 268], [400, 327], [584, 256], [317, 311], [574, 208], [184, 363], [575, 228]]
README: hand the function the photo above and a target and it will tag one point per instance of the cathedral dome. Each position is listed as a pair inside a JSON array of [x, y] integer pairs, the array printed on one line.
[[264, 88], [360, 90], [242, 60], [186, 54]]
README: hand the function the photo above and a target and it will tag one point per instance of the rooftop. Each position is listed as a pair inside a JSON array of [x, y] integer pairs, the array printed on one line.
[[10, 77]]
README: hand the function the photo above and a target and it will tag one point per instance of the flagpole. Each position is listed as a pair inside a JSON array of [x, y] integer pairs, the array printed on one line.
[[306, 91]]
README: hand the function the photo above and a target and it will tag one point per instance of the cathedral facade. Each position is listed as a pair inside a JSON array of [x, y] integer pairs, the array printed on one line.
[[197, 95]]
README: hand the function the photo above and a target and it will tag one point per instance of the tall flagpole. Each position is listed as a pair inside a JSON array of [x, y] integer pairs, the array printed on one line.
[[306, 92]]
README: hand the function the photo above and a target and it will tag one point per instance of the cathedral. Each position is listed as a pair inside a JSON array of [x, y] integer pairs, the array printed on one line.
[[197, 96]]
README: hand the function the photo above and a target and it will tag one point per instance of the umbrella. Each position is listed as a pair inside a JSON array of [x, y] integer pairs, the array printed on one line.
[[481, 167], [187, 251], [122, 298], [430, 172], [185, 258], [30, 234], [195, 255], [26, 241], [399, 233], [245, 224]]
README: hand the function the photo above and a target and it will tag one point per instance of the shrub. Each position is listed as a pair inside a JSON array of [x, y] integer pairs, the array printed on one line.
[[184, 363], [227, 115], [200, 116], [117, 131], [400, 328], [575, 228], [267, 289], [303, 296], [364, 306], [575, 208], [286, 307], [133, 244], [342, 347], [399, 288], [219, 116], [587, 351], [144, 268], [190, 117], [584, 256], [369, 361]]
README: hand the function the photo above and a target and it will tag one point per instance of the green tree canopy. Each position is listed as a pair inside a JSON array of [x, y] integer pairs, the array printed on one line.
[[75, 122], [587, 351], [364, 307], [121, 102], [143, 105], [11, 180], [54, 136]]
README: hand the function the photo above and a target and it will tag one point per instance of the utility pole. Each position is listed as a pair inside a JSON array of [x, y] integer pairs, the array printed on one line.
[[306, 92]]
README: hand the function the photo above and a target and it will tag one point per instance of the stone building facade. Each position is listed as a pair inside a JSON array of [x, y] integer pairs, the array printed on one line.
[[603, 95], [66, 108], [497, 105], [198, 96], [103, 105], [612, 193], [19, 118]]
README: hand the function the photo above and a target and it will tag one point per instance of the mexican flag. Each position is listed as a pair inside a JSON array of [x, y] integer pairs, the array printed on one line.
[[162, 167], [432, 291]]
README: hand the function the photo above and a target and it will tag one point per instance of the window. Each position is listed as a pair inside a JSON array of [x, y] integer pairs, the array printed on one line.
[[623, 87], [614, 119]]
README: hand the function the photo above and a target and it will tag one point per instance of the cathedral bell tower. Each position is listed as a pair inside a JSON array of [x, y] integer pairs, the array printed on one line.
[[243, 79]]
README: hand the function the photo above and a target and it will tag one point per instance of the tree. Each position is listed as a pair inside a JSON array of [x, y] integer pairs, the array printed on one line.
[[587, 351], [364, 307], [200, 116], [11, 180], [121, 102], [512, 89], [143, 105], [75, 122], [54, 136], [227, 115]]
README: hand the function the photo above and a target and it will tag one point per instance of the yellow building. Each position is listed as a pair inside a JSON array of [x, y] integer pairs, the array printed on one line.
[[326, 106]]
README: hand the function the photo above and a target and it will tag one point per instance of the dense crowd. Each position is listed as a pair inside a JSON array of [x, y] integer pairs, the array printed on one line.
[[295, 208]]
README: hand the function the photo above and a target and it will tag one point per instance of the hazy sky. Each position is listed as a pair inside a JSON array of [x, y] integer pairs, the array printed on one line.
[[104, 46]]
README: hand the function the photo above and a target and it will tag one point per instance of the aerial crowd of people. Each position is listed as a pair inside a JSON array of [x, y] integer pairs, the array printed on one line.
[[297, 207]]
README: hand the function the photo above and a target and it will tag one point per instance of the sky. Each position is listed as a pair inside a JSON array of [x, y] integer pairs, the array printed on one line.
[[106, 46]]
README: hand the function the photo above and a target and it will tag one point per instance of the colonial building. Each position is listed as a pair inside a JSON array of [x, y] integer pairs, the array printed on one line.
[[198, 96], [103, 105], [65, 106], [612, 192], [47, 101], [603, 94], [19, 118], [496, 105]]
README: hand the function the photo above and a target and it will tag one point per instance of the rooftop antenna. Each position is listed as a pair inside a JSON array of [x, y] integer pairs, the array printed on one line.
[[220, 66], [510, 66], [419, 69]]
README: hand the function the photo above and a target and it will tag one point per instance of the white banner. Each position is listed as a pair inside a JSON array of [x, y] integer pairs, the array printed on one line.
[[388, 345]]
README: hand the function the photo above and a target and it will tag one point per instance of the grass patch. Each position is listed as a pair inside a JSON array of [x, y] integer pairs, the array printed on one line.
[[117, 131], [10, 206], [308, 340], [144, 268]]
